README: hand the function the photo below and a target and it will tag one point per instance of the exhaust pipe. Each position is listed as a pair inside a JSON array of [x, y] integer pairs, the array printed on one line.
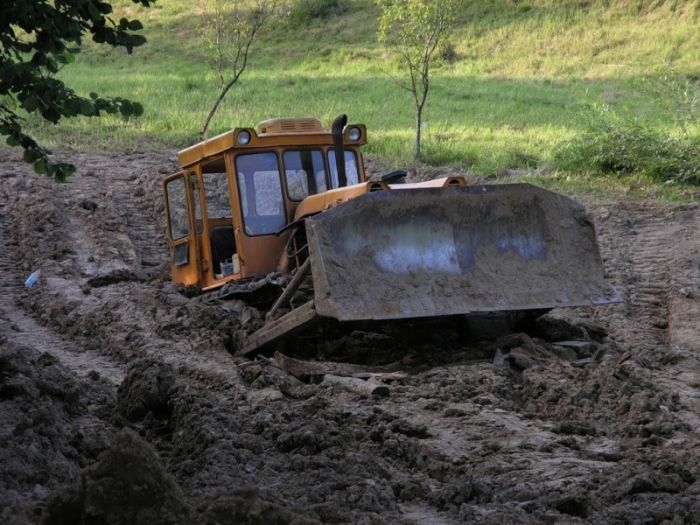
[[337, 131]]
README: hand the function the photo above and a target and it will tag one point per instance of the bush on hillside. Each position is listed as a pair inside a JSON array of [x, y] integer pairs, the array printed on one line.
[[447, 53], [303, 11], [614, 144]]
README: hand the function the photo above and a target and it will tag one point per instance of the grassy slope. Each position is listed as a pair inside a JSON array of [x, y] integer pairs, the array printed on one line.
[[525, 73]]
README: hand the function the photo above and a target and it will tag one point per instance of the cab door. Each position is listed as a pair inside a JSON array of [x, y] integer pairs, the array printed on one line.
[[182, 243]]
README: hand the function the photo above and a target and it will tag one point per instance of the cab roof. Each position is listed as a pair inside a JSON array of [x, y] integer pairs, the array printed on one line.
[[301, 131]]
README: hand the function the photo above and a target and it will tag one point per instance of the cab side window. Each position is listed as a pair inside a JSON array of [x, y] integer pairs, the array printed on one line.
[[351, 171], [217, 195], [178, 221]]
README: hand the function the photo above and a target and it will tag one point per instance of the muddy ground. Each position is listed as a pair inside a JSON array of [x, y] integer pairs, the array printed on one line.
[[121, 401]]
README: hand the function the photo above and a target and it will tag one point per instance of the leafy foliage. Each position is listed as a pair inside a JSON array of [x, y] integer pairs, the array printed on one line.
[[614, 144], [301, 11], [37, 39], [679, 96], [414, 29], [512, 93]]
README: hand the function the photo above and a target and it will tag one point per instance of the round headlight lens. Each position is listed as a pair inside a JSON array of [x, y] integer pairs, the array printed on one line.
[[354, 134], [243, 138]]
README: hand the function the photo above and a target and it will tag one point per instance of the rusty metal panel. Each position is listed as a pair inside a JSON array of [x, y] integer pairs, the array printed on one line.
[[457, 250]]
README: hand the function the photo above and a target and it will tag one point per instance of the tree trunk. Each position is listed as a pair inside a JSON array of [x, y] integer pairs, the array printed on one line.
[[205, 126], [419, 122]]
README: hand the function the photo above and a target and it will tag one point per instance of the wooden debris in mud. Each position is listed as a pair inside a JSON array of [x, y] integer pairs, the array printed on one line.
[[357, 378], [306, 369], [354, 384], [521, 351]]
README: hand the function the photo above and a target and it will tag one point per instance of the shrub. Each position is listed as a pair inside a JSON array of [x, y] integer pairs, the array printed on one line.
[[303, 11], [447, 53], [619, 145]]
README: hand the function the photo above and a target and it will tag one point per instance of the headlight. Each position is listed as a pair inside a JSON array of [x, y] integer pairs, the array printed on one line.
[[243, 138], [354, 134]]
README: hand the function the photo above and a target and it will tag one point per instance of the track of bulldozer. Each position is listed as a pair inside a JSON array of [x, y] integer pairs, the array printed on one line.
[[254, 291]]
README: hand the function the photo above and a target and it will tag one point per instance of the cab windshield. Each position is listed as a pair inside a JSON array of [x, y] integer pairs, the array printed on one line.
[[260, 190], [307, 172]]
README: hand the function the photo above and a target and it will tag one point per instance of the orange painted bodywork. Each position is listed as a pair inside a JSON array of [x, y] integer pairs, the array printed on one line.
[[194, 259]]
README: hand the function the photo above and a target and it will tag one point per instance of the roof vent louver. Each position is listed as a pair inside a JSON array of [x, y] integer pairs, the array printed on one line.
[[289, 125]]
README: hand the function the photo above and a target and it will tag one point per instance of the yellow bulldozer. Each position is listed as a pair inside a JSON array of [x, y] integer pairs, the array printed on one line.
[[291, 199]]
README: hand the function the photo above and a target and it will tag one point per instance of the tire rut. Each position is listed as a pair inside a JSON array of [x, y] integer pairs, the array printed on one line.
[[639, 264], [653, 254], [119, 224], [24, 330]]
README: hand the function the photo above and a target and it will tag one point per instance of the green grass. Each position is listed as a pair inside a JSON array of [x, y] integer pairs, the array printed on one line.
[[525, 74]]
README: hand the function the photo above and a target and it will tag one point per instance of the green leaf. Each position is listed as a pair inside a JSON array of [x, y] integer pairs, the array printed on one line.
[[125, 108], [41, 167], [68, 169], [87, 108], [92, 9], [30, 103], [71, 108], [38, 38], [104, 8], [51, 114], [30, 155], [52, 65], [65, 58], [137, 40]]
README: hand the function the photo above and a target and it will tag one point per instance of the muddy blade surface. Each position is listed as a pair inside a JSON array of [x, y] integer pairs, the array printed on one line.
[[457, 250]]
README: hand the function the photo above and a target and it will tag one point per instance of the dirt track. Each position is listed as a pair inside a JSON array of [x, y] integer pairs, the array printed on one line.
[[120, 401]]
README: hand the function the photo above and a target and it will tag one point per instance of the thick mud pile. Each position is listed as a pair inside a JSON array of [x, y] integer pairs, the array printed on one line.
[[121, 401]]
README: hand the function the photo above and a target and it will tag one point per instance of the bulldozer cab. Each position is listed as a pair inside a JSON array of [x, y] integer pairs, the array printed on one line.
[[228, 207]]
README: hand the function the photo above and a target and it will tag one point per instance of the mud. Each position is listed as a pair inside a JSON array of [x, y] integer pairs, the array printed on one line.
[[121, 402]]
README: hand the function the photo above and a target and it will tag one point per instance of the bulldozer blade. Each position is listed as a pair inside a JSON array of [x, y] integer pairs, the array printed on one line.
[[428, 252]]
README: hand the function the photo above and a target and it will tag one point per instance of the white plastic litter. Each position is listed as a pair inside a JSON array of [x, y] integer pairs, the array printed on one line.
[[32, 279]]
